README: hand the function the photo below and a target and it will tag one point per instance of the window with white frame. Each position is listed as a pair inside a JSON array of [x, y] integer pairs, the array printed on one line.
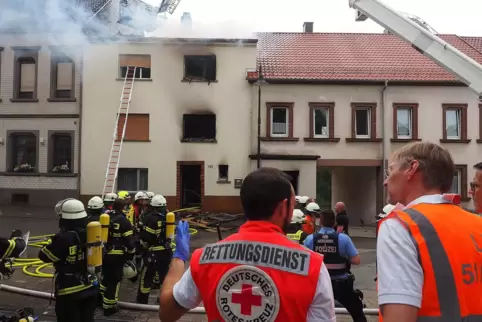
[[453, 123], [404, 123], [320, 122], [132, 179], [362, 122], [279, 121], [457, 182]]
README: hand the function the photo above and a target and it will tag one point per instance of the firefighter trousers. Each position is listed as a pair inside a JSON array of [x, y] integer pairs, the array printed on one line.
[[345, 294], [77, 307], [112, 271], [154, 262]]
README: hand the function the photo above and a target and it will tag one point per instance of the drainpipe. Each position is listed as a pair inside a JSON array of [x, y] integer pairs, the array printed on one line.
[[81, 85], [384, 140]]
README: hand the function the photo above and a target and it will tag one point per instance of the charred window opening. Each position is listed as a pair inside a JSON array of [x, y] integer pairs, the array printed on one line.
[[200, 68], [199, 127], [223, 172]]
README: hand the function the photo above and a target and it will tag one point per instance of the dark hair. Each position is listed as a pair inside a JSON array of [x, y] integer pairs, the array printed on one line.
[[119, 205], [478, 166], [262, 190], [328, 218]]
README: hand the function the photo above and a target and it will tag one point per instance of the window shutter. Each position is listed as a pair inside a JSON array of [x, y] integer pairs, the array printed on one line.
[[135, 60], [210, 62], [27, 77], [137, 127], [64, 76]]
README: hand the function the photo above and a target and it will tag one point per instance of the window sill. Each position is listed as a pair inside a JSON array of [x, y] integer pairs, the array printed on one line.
[[479, 141], [368, 140], [58, 174], [61, 100], [404, 140], [136, 79], [20, 174], [455, 140], [223, 182], [279, 139], [334, 140], [133, 140], [199, 141], [24, 100], [187, 80]]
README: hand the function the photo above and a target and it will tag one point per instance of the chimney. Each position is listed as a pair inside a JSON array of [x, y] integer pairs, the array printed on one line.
[[308, 27], [186, 20]]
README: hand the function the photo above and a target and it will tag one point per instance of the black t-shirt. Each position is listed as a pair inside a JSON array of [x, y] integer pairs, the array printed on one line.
[[342, 220]]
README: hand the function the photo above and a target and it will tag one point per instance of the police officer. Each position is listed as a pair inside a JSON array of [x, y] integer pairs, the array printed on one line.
[[339, 252], [120, 248], [109, 199], [256, 274], [158, 252], [95, 208], [76, 289]]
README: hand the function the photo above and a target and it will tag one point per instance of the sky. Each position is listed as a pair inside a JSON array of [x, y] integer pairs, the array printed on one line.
[[243, 17]]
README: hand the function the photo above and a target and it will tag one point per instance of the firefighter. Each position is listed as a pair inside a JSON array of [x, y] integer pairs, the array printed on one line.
[[150, 194], [158, 252], [76, 289], [141, 200], [95, 208], [109, 199], [124, 195], [294, 231], [312, 211], [119, 249], [10, 248], [301, 201]]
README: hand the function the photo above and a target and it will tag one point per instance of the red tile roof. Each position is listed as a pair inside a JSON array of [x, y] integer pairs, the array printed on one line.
[[352, 57]]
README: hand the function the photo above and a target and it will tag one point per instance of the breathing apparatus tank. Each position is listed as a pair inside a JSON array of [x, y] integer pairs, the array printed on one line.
[[94, 247], [170, 226], [105, 223]]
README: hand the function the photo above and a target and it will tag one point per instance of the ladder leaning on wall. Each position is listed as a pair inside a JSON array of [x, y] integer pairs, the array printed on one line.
[[118, 138]]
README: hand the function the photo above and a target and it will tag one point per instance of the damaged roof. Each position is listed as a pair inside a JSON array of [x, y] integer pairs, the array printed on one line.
[[326, 57]]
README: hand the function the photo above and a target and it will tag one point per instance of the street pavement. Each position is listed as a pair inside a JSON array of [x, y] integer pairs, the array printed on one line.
[[43, 221]]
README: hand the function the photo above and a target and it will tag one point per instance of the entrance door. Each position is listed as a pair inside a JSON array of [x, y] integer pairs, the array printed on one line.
[[294, 179], [190, 185]]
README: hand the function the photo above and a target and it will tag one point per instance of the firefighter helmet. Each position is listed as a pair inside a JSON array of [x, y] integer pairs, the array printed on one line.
[[110, 197], [95, 203], [302, 199], [312, 207], [158, 201], [123, 195], [298, 217], [141, 195], [70, 209], [150, 194], [130, 270]]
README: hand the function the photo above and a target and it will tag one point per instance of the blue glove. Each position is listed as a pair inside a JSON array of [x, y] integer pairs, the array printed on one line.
[[183, 238]]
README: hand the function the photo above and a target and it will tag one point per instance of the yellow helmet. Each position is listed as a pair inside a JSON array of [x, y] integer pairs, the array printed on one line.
[[123, 195]]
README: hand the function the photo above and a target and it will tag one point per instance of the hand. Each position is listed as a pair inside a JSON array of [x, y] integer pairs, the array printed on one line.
[[183, 238]]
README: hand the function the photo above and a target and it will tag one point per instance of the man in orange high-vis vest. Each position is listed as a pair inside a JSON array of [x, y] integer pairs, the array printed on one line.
[[257, 274], [429, 255]]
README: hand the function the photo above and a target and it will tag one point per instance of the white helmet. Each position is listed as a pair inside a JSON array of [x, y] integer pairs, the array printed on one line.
[[70, 209], [95, 203], [110, 197], [150, 194], [312, 207], [129, 270], [302, 199], [298, 217], [141, 195], [158, 201], [388, 208]]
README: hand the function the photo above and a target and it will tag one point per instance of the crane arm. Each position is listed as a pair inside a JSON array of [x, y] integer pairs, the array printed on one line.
[[445, 55]]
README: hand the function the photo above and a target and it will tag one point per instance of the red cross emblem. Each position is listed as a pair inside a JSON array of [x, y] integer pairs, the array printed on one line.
[[246, 299]]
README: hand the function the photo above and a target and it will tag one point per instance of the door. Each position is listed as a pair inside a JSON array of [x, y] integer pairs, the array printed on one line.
[[190, 185]]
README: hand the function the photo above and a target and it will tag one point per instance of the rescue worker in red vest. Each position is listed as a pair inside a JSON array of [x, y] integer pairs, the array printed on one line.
[[429, 254], [312, 211], [339, 253], [120, 248], [257, 274], [109, 199], [157, 248]]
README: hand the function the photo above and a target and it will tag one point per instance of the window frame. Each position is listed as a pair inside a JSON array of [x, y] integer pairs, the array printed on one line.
[[330, 107], [197, 139], [413, 107], [462, 169], [19, 54], [129, 116], [51, 150], [220, 178], [368, 124], [138, 179], [10, 151], [205, 77], [121, 68], [57, 57], [372, 122], [1, 67], [289, 119], [462, 108]]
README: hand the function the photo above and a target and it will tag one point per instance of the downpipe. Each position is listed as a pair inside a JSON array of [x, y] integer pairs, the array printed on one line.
[[384, 140], [136, 306]]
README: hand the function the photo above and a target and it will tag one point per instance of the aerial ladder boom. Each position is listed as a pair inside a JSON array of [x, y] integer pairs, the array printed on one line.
[[445, 55]]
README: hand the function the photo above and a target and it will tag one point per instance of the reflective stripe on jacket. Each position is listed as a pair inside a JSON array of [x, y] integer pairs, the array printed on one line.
[[255, 275], [449, 244]]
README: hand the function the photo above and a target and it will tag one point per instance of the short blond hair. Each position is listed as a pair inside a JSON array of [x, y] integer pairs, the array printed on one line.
[[436, 163]]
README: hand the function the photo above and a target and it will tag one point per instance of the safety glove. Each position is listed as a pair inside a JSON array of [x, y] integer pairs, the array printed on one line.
[[183, 238]]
